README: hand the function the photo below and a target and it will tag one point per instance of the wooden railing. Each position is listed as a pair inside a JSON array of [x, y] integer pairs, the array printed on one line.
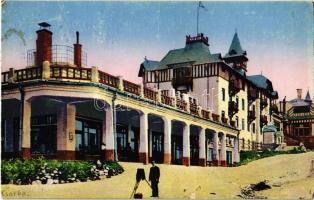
[[193, 109], [65, 72], [150, 94], [181, 104], [28, 74], [108, 79], [215, 117], [205, 114], [167, 100], [131, 87], [5, 77], [224, 120]]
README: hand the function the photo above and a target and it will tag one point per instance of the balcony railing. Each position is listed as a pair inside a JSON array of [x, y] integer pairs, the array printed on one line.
[[65, 72], [264, 119], [234, 87], [150, 94], [167, 100], [224, 120], [193, 109], [264, 103], [108, 79], [5, 77], [28, 74], [181, 104], [205, 114], [215, 117], [131, 87], [61, 55]]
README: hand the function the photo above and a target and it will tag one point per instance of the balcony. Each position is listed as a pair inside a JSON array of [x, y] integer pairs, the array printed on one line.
[[252, 95], [264, 120], [274, 108], [182, 77], [234, 87], [264, 103], [233, 108], [61, 55]]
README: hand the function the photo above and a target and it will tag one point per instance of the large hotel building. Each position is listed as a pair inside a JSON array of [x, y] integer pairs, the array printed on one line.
[[192, 107]]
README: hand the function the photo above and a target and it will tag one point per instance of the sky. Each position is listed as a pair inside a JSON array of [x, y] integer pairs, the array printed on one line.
[[278, 36]]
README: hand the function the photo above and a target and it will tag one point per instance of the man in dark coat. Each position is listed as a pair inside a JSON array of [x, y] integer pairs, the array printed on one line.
[[154, 175]]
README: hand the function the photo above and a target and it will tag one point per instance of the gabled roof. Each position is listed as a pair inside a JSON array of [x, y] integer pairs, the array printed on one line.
[[235, 48], [193, 53], [148, 65], [259, 80], [307, 97]]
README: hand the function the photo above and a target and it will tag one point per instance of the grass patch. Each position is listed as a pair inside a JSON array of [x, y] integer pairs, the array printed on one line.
[[249, 156]]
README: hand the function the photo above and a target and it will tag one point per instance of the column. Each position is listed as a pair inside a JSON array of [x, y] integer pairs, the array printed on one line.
[[108, 134], [202, 147], [26, 134], [216, 152], [66, 132], [186, 145], [167, 141], [143, 152], [236, 155], [223, 161]]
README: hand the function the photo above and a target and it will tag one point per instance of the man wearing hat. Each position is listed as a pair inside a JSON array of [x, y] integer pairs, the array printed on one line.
[[154, 175]]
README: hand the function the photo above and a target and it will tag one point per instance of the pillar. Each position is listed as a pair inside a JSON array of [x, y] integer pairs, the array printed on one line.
[[236, 154], [26, 132], [167, 141], [202, 146], [95, 75], [186, 145], [216, 152], [46, 70], [66, 132], [143, 151], [223, 161], [108, 135]]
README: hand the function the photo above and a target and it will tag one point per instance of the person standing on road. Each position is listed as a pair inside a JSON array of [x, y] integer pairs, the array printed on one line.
[[154, 175]]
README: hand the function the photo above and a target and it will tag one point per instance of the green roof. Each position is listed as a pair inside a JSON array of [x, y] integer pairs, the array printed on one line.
[[194, 53], [235, 48]]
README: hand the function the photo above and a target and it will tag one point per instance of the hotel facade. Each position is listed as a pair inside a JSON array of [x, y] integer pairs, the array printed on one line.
[[59, 108]]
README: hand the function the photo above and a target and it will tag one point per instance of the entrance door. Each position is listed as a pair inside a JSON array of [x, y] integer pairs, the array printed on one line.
[[176, 149], [88, 138], [194, 151], [157, 142]]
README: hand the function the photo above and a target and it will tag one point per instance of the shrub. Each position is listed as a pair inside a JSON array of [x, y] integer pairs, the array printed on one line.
[[19, 171]]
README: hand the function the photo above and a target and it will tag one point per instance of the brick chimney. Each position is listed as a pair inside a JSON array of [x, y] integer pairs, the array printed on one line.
[[78, 51], [299, 93], [43, 44]]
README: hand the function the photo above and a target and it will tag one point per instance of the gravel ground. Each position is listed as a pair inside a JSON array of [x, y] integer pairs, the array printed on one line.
[[288, 175]]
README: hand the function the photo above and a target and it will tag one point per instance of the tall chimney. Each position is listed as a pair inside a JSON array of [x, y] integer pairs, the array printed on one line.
[[78, 51], [43, 44], [299, 93]]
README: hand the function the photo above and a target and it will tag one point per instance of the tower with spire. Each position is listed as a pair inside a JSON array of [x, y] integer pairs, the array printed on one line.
[[236, 56]]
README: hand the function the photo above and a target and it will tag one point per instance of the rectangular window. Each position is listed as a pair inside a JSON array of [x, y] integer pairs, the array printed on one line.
[[223, 94], [248, 126], [243, 124], [253, 127], [243, 106]]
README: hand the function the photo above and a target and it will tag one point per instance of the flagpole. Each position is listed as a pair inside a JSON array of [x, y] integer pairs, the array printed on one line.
[[198, 9]]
